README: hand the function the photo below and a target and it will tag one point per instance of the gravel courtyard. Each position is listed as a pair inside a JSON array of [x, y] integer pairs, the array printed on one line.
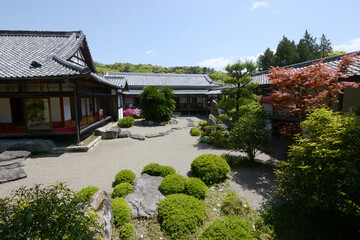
[[99, 166]]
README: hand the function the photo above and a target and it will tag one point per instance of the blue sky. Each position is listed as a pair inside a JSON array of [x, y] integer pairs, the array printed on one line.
[[187, 32]]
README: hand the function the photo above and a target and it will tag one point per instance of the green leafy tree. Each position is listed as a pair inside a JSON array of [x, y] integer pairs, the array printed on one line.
[[335, 53], [307, 48], [319, 184], [286, 53], [241, 88], [157, 104], [325, 46], [266, 60], [249, 133]]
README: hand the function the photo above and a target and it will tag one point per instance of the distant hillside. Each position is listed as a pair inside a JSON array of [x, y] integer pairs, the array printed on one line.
[[148, 68]]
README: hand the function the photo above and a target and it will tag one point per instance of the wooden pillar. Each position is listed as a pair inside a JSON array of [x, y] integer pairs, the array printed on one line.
[[77, 113]]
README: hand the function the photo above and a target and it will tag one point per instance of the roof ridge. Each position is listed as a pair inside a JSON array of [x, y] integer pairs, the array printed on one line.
[[37, 33], [152, 74]]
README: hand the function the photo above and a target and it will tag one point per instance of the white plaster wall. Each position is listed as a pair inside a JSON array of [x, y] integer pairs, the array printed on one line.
[[120, 113], [67, 108], [55, 109], [5, 110]]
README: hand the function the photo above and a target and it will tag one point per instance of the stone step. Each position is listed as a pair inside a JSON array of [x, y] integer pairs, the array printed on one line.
[[11, 174]]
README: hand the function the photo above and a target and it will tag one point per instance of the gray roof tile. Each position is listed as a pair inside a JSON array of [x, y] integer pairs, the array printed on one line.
[[136, 80]]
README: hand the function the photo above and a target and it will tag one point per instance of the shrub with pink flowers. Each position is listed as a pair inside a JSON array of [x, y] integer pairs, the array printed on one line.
[[135, 113]]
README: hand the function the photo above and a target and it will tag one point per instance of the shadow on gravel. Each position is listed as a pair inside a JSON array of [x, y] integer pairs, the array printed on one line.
[[259, 179]]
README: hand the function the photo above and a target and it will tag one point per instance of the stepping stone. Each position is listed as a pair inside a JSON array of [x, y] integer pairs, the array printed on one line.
[[124, 134], [154, 135], [10, 174], [137, 137], [10, 155]]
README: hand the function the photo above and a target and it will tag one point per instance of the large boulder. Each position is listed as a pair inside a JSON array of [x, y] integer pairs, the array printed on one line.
[[212, 120], [108, 132], [214, 109], [101, 204], [10, 165], [145, 196], [31, 145], [125, 134]]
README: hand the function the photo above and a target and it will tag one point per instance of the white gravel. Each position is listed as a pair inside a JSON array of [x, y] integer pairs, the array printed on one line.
[[99, 166]]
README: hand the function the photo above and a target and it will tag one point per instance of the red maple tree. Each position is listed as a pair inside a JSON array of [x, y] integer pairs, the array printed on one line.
[[297, 90]]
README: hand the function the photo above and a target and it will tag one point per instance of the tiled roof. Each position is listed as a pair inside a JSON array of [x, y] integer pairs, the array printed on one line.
[[262, 77], [39, 54], [176, 92], [163, 80]]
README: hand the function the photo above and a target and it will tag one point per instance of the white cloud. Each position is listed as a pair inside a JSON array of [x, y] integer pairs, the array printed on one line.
[[221, 62], [260, 4], [352, 46], [151, 52]]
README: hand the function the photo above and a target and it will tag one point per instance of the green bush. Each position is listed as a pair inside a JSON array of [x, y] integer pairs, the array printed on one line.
[[195, 132], [173, 183], [195, 187], [232, 205], [121, 211], [210, 168], [45, 213], [156, 103], [121, 190], [154, 169], [180, 215], [202, 124], [126, 231], [85, 194], [232, 227], [126, 122], [125, 176]]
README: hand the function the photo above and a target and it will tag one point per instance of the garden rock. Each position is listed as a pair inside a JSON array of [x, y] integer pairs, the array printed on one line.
[[205, 138], [31, 145], [11, 173], [212, 120], [176, 114], [154, 135], [124, 134], [145, 197], [214, 109], [137, 137], [191, 123], [222, 126], [101, 204], [108, 132], [10, 155], [173, 121]]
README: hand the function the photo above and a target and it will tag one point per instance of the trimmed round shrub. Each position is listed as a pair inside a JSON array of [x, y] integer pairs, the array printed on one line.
[[232, 227], [121, 190], [173, 183], [195, 187], [126, 231], [126, 122], [180, 214], [195, 132], [85, 194], [232, 205], [125, 176], [121, 211], [154, 169], [210, 168]]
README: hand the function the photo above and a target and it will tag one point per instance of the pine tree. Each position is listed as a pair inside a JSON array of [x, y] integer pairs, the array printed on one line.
[[286, 53], [307, 48], [266, 60], [325, 46]]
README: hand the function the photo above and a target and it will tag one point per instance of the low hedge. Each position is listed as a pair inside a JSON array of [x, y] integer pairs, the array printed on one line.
[[195, 132], [180, 214], [121, 190], [232, 227], [121, 211], [173, 183], [195, 187], [210, 168], [125, 176], [126, 122], [85, 194], [154, 169]]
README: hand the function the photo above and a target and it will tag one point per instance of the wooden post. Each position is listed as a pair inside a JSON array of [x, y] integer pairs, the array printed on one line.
[[77, 113]]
